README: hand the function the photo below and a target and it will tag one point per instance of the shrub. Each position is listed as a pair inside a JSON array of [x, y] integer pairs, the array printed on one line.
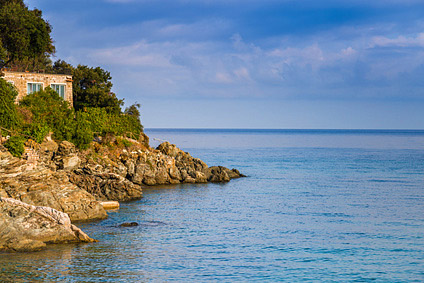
[[9, 118], [83, 134], [122, 142], [50, 110], [37, 130], [15, 145], [104, 123], [46, 111]]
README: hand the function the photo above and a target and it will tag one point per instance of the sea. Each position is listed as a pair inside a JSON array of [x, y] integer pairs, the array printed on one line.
[[316, 206]]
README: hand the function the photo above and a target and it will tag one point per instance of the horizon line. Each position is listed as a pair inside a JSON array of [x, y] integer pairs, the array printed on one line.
[[284, 129]]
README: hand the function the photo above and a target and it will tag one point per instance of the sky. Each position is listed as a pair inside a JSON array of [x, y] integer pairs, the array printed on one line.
[[286, 64]]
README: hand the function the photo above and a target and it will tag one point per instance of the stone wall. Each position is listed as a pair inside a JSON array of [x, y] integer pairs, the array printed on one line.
[[21, 79]]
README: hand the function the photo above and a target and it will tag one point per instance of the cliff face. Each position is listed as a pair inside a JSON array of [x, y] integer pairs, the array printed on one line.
[[120, 175]]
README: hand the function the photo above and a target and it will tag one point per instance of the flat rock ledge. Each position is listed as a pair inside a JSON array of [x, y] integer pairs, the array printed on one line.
[[27, 228]]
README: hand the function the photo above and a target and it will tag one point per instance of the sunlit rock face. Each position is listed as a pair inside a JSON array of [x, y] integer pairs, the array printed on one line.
[[25, 227], [41, 184]]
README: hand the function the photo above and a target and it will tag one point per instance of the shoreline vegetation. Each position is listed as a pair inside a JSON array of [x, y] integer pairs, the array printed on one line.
[[60, 162]]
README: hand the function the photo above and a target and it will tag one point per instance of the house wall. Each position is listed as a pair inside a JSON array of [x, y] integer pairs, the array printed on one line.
[[20, 80]]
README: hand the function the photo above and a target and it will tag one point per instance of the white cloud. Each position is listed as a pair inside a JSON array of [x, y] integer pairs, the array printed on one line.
[[400, 41], [159, 64], [348, 52]]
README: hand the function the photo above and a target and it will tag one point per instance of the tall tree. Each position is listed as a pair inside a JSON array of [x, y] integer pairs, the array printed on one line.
[[92, 87], [61, 67], [25, 36]]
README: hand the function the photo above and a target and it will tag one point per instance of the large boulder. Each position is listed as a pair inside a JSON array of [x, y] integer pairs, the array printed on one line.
[[25, 227], [41, 186]]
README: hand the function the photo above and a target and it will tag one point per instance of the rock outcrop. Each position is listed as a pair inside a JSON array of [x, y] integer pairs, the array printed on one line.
[[121, 174], [53, 185], [41, 186], [105, 185], [66, 157], [221, 174], [25, 227], [71, 181]]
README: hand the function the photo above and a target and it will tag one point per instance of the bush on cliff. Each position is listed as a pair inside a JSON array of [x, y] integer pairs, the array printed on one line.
[[36, 131], [46, 111], [50, 112], [15, 145], [9, 117], [83, 135], [104, 123]]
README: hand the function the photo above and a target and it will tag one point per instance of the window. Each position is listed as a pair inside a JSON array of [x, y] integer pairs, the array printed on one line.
[[34, 87], [59, 88]]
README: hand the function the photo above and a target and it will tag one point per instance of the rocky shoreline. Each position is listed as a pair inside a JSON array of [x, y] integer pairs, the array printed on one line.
[[72, 182], [25, 227]]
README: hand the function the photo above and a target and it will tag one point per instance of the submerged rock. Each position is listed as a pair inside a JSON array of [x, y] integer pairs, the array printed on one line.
[[25, 227], [128, 224]]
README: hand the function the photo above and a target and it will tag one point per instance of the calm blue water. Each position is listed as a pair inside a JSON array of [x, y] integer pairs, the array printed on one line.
[[317, 206]]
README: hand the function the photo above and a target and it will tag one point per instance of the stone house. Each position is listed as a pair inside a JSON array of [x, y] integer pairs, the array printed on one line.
[[27, 83]]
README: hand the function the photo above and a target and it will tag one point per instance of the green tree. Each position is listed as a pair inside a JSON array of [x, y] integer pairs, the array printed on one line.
[[3, 54], [92, 87], [133, 118], [133, 110], [24, 35], [61, 67]]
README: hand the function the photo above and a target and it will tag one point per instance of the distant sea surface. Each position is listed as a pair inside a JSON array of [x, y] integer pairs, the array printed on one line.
[[317, 205]]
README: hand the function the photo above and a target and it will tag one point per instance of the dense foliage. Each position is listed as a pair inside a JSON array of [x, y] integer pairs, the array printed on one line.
[[42, 112], [92, 87], [15, 145], [102, 122], [8, 115], [24, 36], [49, 113]]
